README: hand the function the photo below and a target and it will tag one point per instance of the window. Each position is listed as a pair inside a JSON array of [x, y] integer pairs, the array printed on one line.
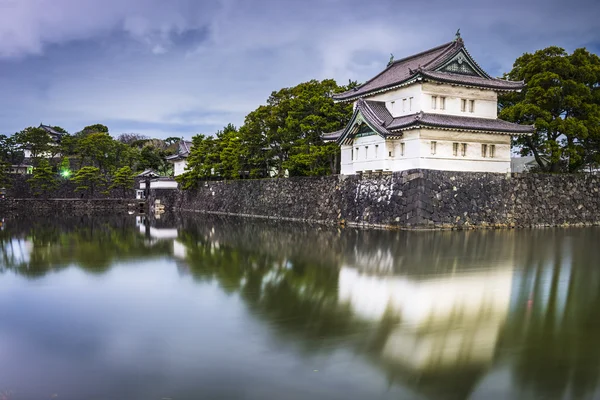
[[357, 153], [484, 150], [402, 149], [433, 148], [463, 105], [390, 154], [492, 150], [392, 104], [403, 105], [442, 103], [471, 105], [463, 149], [376, 150], [455, 149], [433, 102], [366, 152], [410, 104], [352, 153]]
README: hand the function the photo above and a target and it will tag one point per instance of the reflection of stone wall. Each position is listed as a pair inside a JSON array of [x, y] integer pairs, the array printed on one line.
[[417, 198]]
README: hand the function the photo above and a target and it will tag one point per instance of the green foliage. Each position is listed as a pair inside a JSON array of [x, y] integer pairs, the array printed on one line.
[[64, 169], [37, 141], [562, 99], [89, 179], [96, 128], [202, 161], [123, 179], [43, 179], [10, 150], [100, 149], [283, 135]]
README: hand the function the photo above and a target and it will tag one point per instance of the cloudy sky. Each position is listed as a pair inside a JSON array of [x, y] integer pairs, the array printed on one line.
[[181, 67]]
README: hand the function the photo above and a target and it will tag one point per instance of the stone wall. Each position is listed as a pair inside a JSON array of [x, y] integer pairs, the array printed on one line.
[[18, 187], [408, 199], [21, 196]]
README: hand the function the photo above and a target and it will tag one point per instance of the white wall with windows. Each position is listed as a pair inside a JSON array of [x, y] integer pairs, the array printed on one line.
[[428, 149], [440, 98], [461, 101]]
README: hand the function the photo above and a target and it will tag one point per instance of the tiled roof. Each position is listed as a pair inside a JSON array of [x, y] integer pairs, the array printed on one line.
[[459, 122], [424, 65], [470, 80], [333, 135], [56, 135], [183, 151], [380, 120]]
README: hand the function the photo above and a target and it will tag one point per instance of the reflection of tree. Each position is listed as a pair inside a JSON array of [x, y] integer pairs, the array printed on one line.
[[90, 243], [290, 277], [554, 324], [296, 294]]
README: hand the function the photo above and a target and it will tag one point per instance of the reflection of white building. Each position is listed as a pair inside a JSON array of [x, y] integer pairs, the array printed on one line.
[[16, 252], [445, 321]]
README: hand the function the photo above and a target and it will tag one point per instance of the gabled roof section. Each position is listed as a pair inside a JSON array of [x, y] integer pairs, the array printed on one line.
[[370, 117], [54, 134], [450, 62]]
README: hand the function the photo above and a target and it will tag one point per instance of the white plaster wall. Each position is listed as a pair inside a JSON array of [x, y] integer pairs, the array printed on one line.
[[179, 167], [486, 101], [397, 95], [367, 160], [412, 152], [346, 167], [473, 161], [417, 152], [163, 185]]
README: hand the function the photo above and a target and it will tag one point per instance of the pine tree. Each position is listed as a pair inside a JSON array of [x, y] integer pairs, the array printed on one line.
[[123, 179], [43, 179]]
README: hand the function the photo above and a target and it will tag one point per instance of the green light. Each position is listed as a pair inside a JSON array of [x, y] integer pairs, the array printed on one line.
[[65, 173]]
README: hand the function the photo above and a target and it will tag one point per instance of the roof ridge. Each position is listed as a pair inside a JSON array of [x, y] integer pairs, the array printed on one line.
[[433, 49]]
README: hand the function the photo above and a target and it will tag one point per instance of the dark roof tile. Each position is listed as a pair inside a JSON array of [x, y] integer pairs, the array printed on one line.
[[424, 65], [459, 122]]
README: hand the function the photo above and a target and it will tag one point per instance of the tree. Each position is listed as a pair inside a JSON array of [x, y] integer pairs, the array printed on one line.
[[202, 161], [562, 99], [89, 178], [43, 179], [286, 133], [96, 128], [123, 179], [36, 140], [99, 149], [130, 138], [10, 150]]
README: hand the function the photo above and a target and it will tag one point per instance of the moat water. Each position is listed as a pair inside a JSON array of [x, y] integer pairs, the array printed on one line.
[[193, 307]]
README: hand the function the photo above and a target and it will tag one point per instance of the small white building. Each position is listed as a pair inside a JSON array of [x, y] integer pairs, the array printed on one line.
[[433, 110], [179, 160]]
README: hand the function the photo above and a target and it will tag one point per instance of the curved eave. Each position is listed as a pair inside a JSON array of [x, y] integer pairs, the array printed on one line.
[[419, 78], [455, 129], [491, 86], [406, 82]]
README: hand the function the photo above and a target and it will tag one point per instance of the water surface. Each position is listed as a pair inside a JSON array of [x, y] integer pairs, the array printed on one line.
[[191, 307]]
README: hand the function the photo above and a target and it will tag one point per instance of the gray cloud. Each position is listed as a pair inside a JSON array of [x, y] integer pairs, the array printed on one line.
[[178, 67]]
